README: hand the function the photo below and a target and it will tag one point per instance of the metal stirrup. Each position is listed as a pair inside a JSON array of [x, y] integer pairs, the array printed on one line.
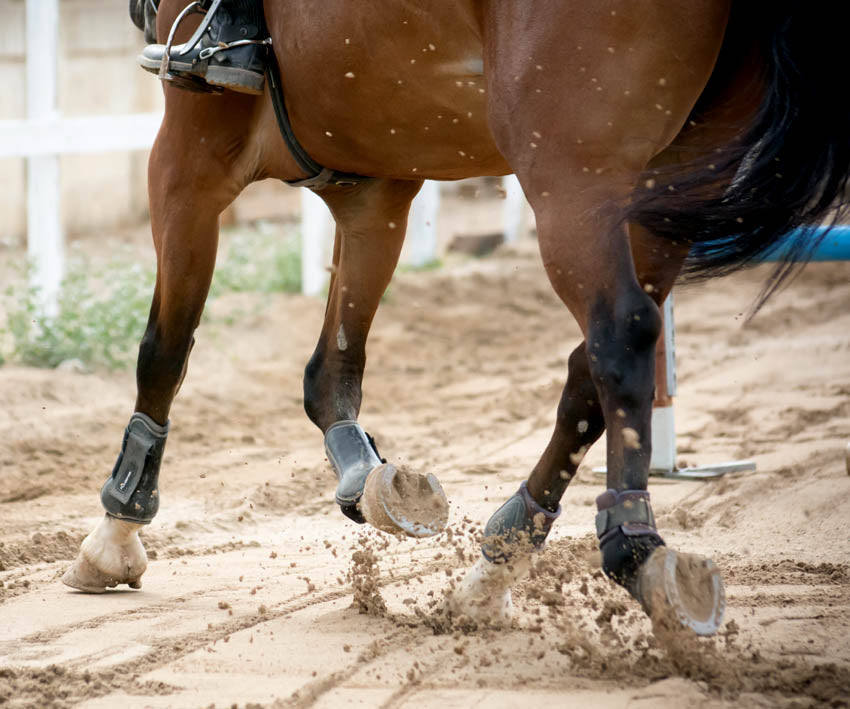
[[207, 52], [190, 9], [205, 23]]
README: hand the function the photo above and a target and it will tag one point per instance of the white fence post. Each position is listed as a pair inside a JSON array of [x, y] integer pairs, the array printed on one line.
[[516, 211], [45, 241], [663, 459], [663, 417], [317, 234], [422, 225]]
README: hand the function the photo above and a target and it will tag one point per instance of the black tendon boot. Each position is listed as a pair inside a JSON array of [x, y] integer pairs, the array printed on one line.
[[627, 535], [231, 53]]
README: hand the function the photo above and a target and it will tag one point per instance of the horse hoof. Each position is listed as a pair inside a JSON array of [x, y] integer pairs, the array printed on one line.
[[85, 576], [484, 593], [111, 555], [685, 588], [404, 503]]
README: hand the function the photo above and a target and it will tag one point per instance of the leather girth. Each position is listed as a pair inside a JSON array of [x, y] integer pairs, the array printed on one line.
[[320, 176]]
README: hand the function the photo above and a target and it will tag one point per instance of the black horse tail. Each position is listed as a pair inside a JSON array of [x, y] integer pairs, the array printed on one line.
[[787, 172]]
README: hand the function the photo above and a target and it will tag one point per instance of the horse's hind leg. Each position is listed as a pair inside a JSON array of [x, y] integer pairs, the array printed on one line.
[[588, 165], [187, 194], [580, 421], [371, 220]]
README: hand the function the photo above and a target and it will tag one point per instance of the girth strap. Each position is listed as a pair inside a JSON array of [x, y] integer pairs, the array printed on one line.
[[320, 176]]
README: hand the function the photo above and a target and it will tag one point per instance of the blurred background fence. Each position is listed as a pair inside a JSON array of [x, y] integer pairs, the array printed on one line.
[[77, 119]]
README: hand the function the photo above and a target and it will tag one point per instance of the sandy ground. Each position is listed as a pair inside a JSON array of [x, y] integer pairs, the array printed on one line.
[[249, 601]]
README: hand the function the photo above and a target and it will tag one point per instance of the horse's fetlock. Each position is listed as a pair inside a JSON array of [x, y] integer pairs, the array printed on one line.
[[519, 525], [627, 534]]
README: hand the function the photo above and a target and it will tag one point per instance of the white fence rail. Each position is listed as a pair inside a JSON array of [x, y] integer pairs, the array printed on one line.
[[45, 135]]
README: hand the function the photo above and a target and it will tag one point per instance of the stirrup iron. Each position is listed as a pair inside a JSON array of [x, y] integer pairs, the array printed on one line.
[[165, 73]]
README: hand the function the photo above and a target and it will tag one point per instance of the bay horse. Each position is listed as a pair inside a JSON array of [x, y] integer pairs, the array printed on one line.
[[652, 138]]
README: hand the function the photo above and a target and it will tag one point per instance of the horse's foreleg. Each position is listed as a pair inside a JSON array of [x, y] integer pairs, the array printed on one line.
[[371, 221], [184, 220]]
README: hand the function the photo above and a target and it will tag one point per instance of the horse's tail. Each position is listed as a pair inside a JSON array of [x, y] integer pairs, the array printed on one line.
[[137, 13], [787, 171]]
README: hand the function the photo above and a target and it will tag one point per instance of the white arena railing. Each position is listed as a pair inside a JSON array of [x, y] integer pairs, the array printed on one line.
[[45, 135]]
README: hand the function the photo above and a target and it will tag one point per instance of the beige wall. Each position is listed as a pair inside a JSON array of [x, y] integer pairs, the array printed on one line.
[[97, 74]]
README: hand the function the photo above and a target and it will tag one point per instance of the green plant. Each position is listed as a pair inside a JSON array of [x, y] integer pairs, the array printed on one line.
[[259, 261], [432, 265], [102, 310], [99, 318]]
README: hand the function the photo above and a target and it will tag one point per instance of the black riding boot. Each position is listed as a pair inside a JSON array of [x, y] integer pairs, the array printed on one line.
[[231, 53]]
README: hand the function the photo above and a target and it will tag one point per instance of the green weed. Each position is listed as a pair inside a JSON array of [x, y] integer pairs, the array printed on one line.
[[99, 320], [102, 310], [259, 261]]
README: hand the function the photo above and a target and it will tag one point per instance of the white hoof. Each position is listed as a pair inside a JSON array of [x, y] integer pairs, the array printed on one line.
[[484, 593], [112, 554]]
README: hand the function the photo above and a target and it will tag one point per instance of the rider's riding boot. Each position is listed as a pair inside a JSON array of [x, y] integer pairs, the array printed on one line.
[[231, 53]]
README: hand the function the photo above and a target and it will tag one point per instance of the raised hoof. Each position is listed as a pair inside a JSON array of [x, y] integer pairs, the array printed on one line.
[[684, 588], [111, 555], [404, 503]]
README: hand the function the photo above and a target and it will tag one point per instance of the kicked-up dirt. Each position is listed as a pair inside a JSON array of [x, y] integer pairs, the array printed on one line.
[[260, 593]]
